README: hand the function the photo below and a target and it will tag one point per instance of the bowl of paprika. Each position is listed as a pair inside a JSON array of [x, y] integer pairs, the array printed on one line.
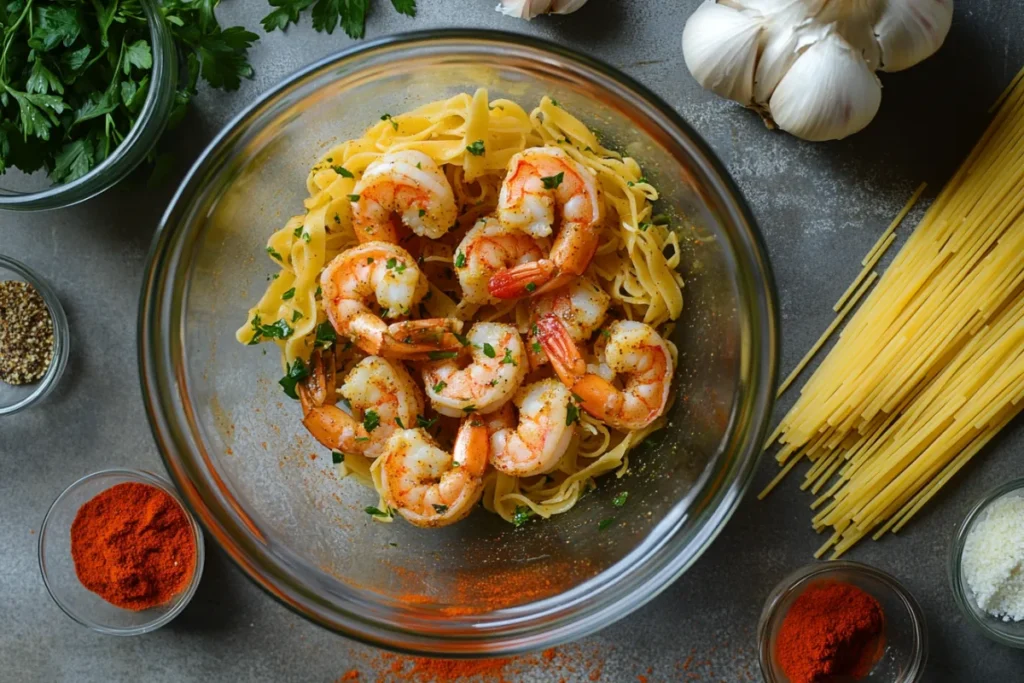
[[839, 621], [120, 553]]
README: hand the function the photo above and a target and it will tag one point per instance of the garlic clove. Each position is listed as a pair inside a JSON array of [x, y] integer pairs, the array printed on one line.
[[524, 9], [910, 31], [720, 47], [828, 93]]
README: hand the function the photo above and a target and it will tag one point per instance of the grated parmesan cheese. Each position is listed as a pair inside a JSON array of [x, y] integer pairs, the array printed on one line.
[[993, 559]]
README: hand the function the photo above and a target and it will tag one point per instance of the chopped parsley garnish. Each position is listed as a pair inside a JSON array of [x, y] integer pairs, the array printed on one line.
[[423, 212], [325, 335], [306, 237], [530, 287], [439, 509], [343, 172], [606, 334], [371, 510], [371, 420], [353, 198], [489, 351], [476, 149], [296, 372], [279, 330], [424, 422], [369, 260], [297, 231], [439, 387], [337, 457], [551, 182], [536, 347], [442, 355], [493, 382], [507, 360], [620, 500], [328, 14], [391, 263], [572, 414], [643, 226], [398, 421], [521, 514], [460, 259], [274, 254], [362, 438], [289, 294], [463, 339], [605, 523], [391, 120], [469, 409], [296, 315], [319, 291]]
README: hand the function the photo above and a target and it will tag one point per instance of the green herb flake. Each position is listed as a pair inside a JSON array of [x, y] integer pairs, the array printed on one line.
[[288, 294], [391, 120], [552, 182], [530, 287], [424, 423], [343, 172], [521, 515], [373, 511], [274, 254], [463, 339], [572, 414], [297, 231], [442, 355], [325, 335], [644, 225], [439, 387], [296, 315], [371, 420], [605, 523], [295, 373], [423, 212], [460, 259], [337, 458], [353, 198], [489, 351], [439, 509], [620, 500], [398, 421], [391, 263], [476, 149], [507, 360], [469, 409], [536, 347]]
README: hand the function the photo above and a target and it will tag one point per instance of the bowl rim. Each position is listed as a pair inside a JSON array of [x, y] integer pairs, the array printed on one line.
[[821, 570], [966, 604], [61, 336], [149, 126], [142, 477], [573, 620]]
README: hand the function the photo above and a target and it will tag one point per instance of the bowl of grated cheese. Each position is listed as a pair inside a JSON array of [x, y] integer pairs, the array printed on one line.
[[987, 564]]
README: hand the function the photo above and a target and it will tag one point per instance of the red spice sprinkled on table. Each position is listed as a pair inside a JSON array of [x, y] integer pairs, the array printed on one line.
[[832, 631]]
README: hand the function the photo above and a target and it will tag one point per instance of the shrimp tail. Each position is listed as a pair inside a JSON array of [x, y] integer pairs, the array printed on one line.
[[417, 339], [598, 396], [334, 428], [526, 279], [320, 387]]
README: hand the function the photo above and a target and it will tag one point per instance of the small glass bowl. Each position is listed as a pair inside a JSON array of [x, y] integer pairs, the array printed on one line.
[[15, 397], [58, 568], [1006, 632], [23, 192], [906, 637]]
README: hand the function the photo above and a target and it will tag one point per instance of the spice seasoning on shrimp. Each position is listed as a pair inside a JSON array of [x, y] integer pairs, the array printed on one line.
[[133, 546], [26, 333], [833, 631]]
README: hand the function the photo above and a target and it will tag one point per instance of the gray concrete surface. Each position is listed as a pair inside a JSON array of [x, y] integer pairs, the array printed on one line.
[[820, 208]]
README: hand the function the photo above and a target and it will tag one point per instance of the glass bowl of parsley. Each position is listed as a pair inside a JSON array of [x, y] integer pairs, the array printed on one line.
[[86, 89]]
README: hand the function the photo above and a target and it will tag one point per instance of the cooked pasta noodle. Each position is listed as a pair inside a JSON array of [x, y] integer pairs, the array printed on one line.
[[636, 263]]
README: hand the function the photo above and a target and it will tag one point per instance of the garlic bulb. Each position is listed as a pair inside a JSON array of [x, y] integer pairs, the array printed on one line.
[[528, 9], [809, 65]]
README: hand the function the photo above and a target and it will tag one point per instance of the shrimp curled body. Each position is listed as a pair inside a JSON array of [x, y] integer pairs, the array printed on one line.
[[634, 350], [408, 184], [542, 183], [428, 486], [385, 274], [535, 442], [582, 307], [488, 248]]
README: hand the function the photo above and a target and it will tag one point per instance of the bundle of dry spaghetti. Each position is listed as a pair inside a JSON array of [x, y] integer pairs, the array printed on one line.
[[931, 366]]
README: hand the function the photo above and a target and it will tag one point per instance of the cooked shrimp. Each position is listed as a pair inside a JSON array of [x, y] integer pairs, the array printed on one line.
[[581, 307], [428, 486], [387, 274], [634, 349], [535, 442], [539, 181], [494, 373], [486, 249], [410, 185], [382, 395]]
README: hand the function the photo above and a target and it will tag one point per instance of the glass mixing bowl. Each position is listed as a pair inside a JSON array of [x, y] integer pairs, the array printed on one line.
[[267, 493]]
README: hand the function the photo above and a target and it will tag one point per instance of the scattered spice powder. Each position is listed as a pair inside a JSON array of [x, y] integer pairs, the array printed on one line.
[[26, 333], [133, 546], [833, 631]]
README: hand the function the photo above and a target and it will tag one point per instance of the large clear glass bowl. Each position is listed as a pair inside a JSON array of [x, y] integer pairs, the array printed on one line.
[[233, 443]]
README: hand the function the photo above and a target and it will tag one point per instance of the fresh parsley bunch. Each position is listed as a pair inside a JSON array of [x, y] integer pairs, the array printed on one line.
[[74, 75], [328, 14]]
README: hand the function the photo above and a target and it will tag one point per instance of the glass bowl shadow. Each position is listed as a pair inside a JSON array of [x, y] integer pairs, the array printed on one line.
[[1005, 632], [58, 567], [34, 192], [906, 634], [16, 397], [267, 493]]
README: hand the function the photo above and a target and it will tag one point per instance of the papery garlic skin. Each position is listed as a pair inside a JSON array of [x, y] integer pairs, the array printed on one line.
[[809, 65], [528, 9]]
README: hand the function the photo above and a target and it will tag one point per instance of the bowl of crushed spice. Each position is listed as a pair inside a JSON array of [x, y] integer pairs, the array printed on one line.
[[120, 553], [33, 337], [838, 622]]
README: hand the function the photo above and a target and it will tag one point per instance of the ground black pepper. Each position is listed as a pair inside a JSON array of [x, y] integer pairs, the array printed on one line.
[[26, 333]]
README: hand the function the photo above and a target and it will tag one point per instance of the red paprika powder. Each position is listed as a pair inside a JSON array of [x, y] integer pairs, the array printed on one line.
[[133, 546], [833, 631]]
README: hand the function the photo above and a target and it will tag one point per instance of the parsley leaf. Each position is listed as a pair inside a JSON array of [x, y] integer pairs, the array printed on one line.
[[442, 355], [476, 149], [424, 422], [371, 420], [552, 182], [439, 509], [620, 500], [337, 458], [329, 14], [288, 294], [521, 514], [296, 372], [489, 351], [460, 259], [371, 510], [344, 173], [439, 387], [572, 414], [406, 7], [325, 335], [605, 523], [507, 360]]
